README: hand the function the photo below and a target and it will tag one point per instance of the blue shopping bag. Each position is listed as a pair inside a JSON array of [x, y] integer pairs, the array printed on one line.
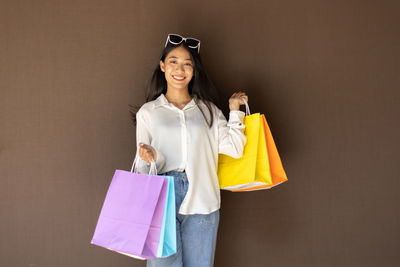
[[167, 243]]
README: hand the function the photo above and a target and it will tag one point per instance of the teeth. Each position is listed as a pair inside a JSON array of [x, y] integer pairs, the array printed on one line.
[[178, 78]]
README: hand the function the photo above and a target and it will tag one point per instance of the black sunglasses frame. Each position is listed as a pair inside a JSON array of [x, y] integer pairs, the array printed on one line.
[[190, 39]]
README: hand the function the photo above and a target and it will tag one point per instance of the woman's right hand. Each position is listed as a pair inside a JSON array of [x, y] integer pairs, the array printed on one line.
[[147, 153]]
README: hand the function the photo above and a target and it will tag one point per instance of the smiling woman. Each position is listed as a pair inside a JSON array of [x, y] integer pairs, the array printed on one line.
[[174, 129]]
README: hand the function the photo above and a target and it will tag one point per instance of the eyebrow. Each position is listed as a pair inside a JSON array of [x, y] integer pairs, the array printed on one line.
[[177, 57]]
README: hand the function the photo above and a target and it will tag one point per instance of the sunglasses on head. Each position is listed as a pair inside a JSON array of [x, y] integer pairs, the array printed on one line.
[[176, 39]]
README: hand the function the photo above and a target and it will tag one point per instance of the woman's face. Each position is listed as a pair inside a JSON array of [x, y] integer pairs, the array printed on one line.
[[178, 69]]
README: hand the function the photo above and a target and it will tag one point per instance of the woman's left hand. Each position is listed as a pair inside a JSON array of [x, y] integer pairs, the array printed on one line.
[[235, 101]]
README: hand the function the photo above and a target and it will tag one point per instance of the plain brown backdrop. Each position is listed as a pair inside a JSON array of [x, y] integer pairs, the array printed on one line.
[[325, 73]]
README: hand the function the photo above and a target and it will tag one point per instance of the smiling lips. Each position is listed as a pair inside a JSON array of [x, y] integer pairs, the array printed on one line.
[[178, 78]]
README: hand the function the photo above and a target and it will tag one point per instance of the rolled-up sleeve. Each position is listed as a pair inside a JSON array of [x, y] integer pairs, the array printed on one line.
[[143, 136], [231, 138]]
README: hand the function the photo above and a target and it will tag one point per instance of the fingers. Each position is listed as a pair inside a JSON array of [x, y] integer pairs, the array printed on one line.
[[146, 152], [240, 95]]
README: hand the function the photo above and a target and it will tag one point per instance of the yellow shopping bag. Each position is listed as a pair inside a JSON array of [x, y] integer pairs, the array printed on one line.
[[252, 169], [278, 174]]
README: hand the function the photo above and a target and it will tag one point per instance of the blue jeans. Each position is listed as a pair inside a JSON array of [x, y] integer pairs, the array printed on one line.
[[196, 234]]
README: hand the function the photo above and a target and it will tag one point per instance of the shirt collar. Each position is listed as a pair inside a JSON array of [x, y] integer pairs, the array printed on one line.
[[163, 101]]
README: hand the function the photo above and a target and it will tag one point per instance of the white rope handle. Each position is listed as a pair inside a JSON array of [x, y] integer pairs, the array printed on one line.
[[247, 106], [153, 166]]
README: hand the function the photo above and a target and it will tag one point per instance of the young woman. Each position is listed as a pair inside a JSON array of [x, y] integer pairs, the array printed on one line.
[[181, 128]]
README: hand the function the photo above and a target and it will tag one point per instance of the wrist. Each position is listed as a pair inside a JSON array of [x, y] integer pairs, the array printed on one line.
[[234, 107]]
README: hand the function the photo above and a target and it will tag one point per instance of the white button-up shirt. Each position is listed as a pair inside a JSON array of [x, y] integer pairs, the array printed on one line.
[[184, 141]]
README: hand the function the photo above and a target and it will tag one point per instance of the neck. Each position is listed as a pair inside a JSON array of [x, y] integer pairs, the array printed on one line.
[[178, 96]]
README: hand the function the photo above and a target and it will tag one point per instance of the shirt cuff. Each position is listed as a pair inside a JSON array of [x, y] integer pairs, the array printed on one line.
[[236, 119]]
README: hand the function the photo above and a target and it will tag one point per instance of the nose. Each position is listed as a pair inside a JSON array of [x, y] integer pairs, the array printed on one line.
[[180, 68]]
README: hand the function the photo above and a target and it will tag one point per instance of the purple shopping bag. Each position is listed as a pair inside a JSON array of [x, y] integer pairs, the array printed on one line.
[[131, 217]]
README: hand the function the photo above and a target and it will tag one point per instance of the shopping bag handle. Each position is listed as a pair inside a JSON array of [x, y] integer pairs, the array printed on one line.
[[247, 106], [153, 167]]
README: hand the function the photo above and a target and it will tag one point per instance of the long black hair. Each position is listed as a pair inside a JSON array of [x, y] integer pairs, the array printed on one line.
[[200, 87]]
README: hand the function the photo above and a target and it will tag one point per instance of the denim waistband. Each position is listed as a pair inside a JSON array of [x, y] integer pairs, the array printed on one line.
[[174, 171], [176, 174]]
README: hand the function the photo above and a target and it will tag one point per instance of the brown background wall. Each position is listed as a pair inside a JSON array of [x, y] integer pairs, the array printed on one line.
[[326, 74]]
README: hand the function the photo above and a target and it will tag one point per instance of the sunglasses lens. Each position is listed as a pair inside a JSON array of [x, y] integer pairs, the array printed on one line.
[[175, 39], [193, 43]]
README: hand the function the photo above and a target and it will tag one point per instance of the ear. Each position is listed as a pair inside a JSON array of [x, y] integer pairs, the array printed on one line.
[[162, 67]]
